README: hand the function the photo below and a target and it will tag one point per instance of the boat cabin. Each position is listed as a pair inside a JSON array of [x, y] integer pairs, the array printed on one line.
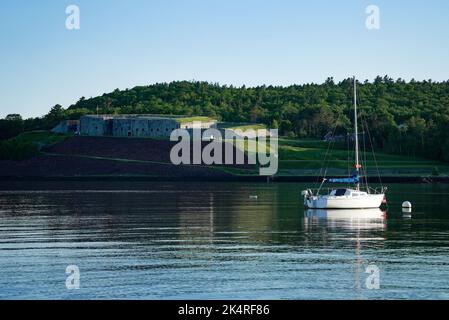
[[347, 192]]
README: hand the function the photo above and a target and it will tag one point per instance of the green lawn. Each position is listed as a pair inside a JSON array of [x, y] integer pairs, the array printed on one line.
[[307, 157], [27, 145], [40, 138], [256, 126], [191, 119]]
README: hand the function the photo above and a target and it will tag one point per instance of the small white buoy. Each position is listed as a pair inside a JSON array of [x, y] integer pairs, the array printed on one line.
[[253, 197], [407, 212], [406, 205], [407, 209]]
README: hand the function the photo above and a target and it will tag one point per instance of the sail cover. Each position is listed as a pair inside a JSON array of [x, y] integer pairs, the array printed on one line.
[[353, 179]]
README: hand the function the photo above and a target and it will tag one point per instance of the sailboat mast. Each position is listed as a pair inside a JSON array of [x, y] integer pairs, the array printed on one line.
[[357, 163]]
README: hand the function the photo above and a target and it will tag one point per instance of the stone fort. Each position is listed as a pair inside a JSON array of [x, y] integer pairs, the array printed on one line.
[[138, 125]]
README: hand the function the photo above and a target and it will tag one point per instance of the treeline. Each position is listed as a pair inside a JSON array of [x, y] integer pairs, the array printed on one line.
[[408, 118], [13, 124]]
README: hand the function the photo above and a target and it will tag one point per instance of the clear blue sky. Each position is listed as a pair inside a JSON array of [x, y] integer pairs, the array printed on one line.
[[122, 44]]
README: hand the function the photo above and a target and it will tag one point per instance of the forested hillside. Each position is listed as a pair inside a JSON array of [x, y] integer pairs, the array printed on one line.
[[408, 118]]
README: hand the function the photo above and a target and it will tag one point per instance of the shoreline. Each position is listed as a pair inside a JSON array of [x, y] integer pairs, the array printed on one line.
[[281, 179]]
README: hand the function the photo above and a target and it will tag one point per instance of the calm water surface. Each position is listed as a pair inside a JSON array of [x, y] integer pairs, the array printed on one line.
[[211, 241]]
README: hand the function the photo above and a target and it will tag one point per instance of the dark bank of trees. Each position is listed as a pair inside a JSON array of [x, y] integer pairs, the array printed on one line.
[[407, 118]]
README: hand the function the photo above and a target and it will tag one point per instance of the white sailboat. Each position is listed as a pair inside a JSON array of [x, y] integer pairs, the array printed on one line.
[[346, 198]]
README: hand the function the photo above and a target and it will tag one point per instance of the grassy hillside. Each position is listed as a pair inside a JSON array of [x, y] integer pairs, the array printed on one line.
[[192, 119], [28, 144], [297, 157], [412, 115], [403, 118], [40, 138], [306, 157], [244, 127]]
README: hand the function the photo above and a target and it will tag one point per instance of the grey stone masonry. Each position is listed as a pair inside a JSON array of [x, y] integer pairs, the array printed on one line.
[[132, 125]]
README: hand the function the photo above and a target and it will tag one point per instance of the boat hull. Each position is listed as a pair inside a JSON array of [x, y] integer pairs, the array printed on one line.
[[344, 202]]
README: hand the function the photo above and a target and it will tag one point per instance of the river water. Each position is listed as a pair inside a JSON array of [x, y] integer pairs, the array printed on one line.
[[153, 240]]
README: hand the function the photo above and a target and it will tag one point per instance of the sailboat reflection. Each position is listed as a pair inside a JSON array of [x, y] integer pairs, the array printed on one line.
[[357, 219], [359, 226]]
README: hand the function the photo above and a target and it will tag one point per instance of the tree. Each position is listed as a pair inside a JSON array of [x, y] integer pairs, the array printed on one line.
[[56, 115], [285, 127], [11, 126], [13, 117]]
